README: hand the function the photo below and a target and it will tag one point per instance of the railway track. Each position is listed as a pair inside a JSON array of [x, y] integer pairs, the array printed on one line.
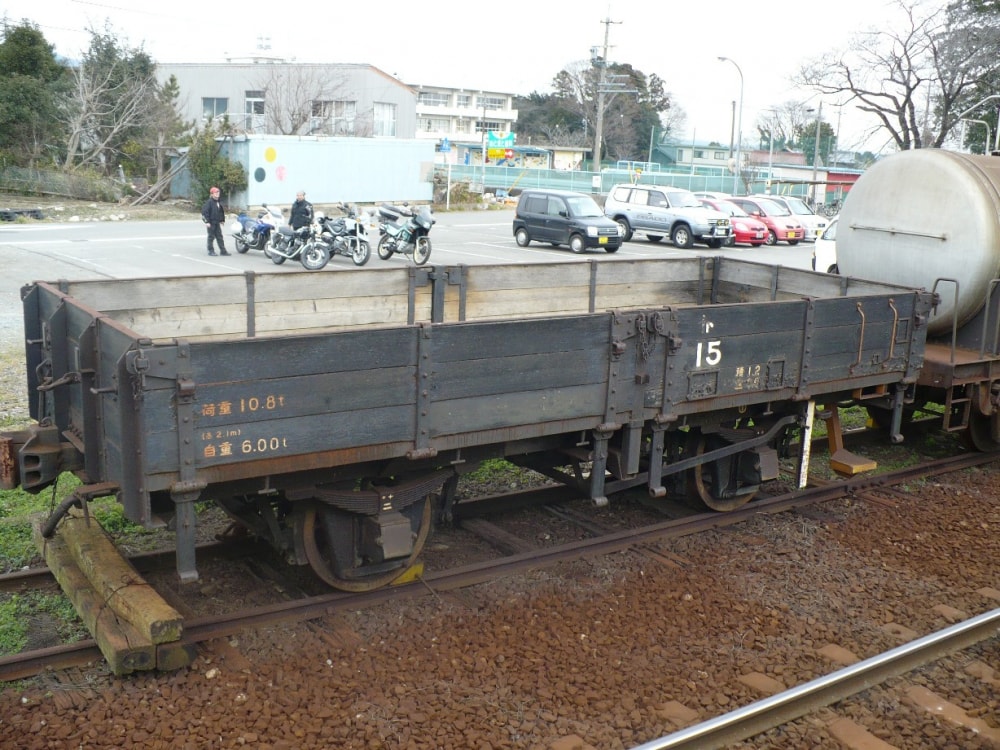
[[201, 629], [779, 709]]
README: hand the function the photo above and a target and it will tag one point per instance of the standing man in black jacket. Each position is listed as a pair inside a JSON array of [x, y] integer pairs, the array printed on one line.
[[302, 212], [213, 214]]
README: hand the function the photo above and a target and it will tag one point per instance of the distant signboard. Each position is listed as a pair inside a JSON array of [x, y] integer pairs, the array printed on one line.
[[499, 140], [499, 145]]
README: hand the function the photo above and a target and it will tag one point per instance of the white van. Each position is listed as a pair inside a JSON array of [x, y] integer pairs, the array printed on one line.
[[825, 250]]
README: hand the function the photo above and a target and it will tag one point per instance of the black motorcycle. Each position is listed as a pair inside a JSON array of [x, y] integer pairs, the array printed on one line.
[[345, 235], [302, 244]]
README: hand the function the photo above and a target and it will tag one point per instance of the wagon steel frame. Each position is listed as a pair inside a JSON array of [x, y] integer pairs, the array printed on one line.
[[167, 391]]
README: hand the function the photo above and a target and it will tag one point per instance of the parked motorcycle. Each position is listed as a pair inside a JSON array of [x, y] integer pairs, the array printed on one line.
[[254, 234], [302, 244], [345, 235], [404, 231]]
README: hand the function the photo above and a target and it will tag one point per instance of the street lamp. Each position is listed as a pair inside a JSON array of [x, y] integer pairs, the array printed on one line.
[[770, 151], [739, 125], [485, 130]]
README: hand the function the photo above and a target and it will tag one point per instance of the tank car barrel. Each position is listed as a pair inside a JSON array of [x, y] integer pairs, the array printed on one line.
[[930, 219]]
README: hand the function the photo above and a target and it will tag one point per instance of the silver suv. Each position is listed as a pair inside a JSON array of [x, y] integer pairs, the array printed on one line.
[[660, 212]]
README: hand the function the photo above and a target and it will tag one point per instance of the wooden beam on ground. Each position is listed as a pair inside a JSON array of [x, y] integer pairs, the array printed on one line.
[[124, 647], [117, 582]]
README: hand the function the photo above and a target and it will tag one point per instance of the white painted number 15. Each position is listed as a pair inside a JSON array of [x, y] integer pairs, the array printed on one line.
[[709, 353]]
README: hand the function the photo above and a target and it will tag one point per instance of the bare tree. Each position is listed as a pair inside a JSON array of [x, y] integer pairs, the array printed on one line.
[[105, 103], [673, 120], [295, 95], [783, 122], [914, 76]]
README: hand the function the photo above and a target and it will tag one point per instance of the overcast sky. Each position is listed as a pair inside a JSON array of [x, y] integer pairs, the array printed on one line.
[[511, 46]]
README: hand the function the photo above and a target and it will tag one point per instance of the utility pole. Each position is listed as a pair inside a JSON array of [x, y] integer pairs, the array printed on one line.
[[819, 119], [485, 135], [602, 88]]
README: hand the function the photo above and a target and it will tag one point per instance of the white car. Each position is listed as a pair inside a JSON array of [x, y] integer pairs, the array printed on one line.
[[825, 250]]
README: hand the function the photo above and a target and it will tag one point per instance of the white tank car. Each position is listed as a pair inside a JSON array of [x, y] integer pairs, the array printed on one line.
[[917, 216]]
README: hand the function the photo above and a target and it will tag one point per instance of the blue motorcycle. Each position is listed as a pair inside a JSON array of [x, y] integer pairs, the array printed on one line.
[[254, 234]]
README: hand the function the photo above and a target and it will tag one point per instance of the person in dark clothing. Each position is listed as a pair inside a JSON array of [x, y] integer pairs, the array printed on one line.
[[302, 212], [214, 214]]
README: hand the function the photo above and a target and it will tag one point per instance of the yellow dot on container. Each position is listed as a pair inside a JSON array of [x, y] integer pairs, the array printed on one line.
[[270, 154]]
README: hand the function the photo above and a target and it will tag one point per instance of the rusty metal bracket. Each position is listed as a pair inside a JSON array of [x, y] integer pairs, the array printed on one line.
[[48, 384], [861, 337], [895, 327]]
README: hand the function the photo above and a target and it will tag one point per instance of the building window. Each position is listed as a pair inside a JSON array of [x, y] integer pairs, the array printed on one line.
[[491, 102], [699, 154], [254, 102], [483, 125], [253, 108], [721, 155], [385, 119], [212, 107], [433, 99], [334, 117], [434, 124], [463, 100]]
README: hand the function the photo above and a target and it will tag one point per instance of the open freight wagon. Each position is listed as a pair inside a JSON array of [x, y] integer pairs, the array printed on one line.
[[333, 413]]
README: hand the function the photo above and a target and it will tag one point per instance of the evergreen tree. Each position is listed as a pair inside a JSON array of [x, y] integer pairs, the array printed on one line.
[[209, 167], [33, 80]]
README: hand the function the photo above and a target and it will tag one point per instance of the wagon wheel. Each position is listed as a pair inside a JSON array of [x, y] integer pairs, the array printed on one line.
[[315, 536], [983, 433], [704, 477]]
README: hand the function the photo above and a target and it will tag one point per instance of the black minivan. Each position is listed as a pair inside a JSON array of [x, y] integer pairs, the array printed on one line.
[[563, 217]]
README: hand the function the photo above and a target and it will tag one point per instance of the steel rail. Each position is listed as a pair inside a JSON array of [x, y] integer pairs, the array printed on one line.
[[199, 629], [784, 707]]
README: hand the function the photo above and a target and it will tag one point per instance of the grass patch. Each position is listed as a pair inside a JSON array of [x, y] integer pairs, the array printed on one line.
[[498, 475], [18, 508], [23, 616], [495, 469], [16, 545]]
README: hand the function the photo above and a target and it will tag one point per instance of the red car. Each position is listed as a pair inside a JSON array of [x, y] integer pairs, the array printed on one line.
[[782, 225], [746, 229]]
